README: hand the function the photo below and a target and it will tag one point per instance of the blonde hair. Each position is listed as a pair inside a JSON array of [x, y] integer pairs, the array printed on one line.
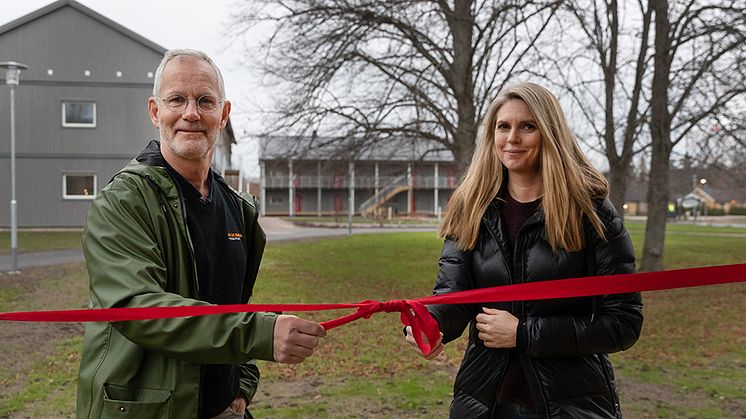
[[569, 180]]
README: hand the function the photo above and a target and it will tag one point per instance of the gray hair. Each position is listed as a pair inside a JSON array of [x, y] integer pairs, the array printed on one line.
[[191, 53]]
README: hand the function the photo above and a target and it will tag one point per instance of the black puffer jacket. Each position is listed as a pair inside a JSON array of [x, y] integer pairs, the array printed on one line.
[[561, 343]]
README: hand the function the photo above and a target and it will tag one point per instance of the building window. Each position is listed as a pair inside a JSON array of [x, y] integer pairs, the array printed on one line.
[[79, 114], [274, 200], [78, 186]]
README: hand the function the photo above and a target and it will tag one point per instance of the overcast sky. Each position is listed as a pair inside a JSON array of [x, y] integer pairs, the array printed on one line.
[[172, 24]]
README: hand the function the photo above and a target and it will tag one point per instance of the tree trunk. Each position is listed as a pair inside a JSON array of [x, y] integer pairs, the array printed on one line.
[[660, 131], [617, 168], [462, 154], [618, 179], [461, 23], [655, 230]]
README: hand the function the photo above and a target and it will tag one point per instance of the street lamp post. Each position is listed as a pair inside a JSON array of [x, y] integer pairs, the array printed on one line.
[[12, 76], [704, 205]]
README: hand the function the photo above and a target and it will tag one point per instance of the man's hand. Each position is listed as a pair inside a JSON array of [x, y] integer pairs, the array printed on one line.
[[497, 328], [438, 346], [295, 339]]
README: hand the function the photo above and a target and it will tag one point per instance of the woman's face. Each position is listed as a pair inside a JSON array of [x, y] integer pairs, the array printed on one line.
[[517, 138]]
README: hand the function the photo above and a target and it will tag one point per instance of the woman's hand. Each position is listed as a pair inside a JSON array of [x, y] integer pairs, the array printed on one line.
[[438, 346], [497, 328], [239, 404]]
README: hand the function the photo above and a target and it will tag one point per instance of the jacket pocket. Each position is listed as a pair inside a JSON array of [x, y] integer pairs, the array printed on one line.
[[465, 406], [132, 402]]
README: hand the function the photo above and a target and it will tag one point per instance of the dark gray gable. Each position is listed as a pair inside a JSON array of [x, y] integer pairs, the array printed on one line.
[[79, 46], [86, 11]]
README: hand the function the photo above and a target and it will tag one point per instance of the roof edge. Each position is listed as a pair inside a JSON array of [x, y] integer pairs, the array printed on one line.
[[86, 11]]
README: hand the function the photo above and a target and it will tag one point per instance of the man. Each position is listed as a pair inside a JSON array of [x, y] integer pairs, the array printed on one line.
[[168, 231]]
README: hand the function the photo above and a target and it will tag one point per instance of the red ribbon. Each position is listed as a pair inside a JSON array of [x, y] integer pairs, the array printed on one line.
[[413, 312]]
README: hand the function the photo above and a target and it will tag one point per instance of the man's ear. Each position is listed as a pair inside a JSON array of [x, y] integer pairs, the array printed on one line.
[[225, 114], [153, 111]]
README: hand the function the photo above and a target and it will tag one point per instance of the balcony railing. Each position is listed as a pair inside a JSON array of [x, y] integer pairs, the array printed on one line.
[[428, 182], [361, 182]]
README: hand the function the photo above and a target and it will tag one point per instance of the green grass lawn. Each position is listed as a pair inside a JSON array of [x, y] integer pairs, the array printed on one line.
[[690, 342], [33, 241], [689, 362]]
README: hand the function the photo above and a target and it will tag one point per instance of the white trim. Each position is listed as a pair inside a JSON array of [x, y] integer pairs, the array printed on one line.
[[65, 195], [75, 124]]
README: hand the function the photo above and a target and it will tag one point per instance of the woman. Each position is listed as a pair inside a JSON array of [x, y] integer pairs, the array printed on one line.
[[532, 208]]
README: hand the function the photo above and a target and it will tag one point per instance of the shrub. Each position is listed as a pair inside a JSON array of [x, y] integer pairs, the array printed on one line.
[[737, 211]]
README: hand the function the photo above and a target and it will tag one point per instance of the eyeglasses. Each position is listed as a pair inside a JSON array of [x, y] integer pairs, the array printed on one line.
[[179, 103]]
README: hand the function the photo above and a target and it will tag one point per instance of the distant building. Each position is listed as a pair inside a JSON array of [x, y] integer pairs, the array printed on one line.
[[317, 176], [221, 158], [312, 176], [81, 110], [718, 189]]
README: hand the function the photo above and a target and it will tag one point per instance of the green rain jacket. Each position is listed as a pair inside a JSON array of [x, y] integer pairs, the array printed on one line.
[[139, 254]]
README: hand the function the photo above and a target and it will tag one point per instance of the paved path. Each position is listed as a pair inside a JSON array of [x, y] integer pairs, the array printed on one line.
[[277, 230], [52, 257], [711, 221]]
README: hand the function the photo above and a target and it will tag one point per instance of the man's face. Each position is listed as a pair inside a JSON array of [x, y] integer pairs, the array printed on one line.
[[189, 134]]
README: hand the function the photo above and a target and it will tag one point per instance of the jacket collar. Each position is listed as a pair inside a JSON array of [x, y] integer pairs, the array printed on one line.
[[492, 213], [151, 164], [151, 155], [493, 222]]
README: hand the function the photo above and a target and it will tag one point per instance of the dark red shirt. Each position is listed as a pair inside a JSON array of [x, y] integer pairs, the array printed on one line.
[[514, 386]]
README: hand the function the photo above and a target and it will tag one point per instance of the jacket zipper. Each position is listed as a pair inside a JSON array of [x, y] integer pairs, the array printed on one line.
[[612, 393], [186, 233], [530, 365], [238, 202], [164, 206], [510, 274]]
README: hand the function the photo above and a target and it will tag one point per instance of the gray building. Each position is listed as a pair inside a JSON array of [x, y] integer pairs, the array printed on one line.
[[81, 110], [318, 177]]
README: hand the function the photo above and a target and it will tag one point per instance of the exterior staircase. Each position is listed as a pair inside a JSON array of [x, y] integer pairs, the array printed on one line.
[[396, 186]]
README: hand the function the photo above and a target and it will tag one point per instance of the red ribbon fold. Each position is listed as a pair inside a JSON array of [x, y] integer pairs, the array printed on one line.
[[413, 312]]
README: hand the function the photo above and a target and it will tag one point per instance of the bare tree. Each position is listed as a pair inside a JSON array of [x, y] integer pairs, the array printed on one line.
[[724, 141], [604, 68], [699, 52], [380, 71]]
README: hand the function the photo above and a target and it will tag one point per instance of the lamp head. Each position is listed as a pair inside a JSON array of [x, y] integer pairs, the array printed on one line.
[[12, 71]]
